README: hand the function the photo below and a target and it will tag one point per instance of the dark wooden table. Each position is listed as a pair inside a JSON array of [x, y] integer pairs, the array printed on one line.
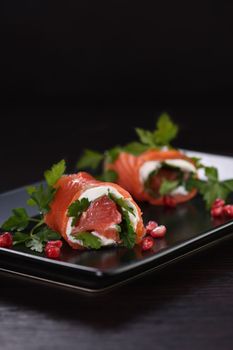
[[187, 306]]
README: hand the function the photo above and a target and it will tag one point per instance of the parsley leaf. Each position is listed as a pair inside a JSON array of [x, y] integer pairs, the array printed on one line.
[[54, 174], [18, 221], [212, 191], [20, 237], [211, 173], [35, 244], [228, 184], [127, 234], [166, 130], [76, 209], [164, 133], [45, 234], [90, 159], [121, 202], [37, 240], [146, 137], [197, 162], [112, 154], [88, 240], [167, 186], [41, 196], [212, 188], [135, 148], [109, 176]]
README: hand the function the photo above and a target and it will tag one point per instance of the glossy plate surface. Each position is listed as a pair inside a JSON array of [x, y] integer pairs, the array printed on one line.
[[190, 228]]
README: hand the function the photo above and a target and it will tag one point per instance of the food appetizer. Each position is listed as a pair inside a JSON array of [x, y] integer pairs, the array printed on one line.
[[91, 214], [85, 212], [159, 177], [155, 172]]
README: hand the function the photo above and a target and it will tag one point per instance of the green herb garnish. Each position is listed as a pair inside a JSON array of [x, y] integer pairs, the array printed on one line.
[[112, 154], [45, 234], [212, 188], [166, 131], [19, 220], [88, 240], [168, 186], [127, 234], [76, 209], [55, 173], [121, 202], [41, 197], [126, 231], [38, 240], [197, 162], [36, 236], [90, 159], [35, 244], [108, 176], [163, 134], [135, 148]]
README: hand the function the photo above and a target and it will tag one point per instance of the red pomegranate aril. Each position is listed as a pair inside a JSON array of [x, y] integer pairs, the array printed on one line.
[[52, 252], [228, 210], [168, 201], [218, 203], [159, 232], [147, 243], [6, 240], [216, 212], [151, 226], [57, 243]]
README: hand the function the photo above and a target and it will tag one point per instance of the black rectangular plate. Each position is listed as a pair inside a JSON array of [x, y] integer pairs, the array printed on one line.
[[190, 229]]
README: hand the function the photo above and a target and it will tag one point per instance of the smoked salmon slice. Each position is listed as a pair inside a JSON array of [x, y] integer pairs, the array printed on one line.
[[131, 169], [110, 210]]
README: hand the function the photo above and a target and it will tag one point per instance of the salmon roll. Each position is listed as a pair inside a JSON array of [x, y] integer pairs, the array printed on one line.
[[156, 176], [90, 214]]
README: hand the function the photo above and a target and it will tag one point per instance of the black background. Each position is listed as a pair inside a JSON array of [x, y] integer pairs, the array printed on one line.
[[116, 51], [83, 74]]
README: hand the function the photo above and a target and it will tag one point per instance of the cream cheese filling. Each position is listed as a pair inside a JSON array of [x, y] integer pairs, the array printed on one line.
[[148, 167]]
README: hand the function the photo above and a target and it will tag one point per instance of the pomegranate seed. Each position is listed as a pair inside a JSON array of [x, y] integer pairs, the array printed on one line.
[[151, 226], [218, 203], [216, 212], [159, 231], [52, 252], [228, 210], [147, 243], [6, 240], [57, 243], [168, 201]]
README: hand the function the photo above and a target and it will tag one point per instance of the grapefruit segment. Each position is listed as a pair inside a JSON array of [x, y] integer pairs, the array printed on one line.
[[101, 216]]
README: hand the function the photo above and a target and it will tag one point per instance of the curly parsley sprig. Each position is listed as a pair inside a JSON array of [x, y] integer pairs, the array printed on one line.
[[165, 132], [211, 188], [32, 231]]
